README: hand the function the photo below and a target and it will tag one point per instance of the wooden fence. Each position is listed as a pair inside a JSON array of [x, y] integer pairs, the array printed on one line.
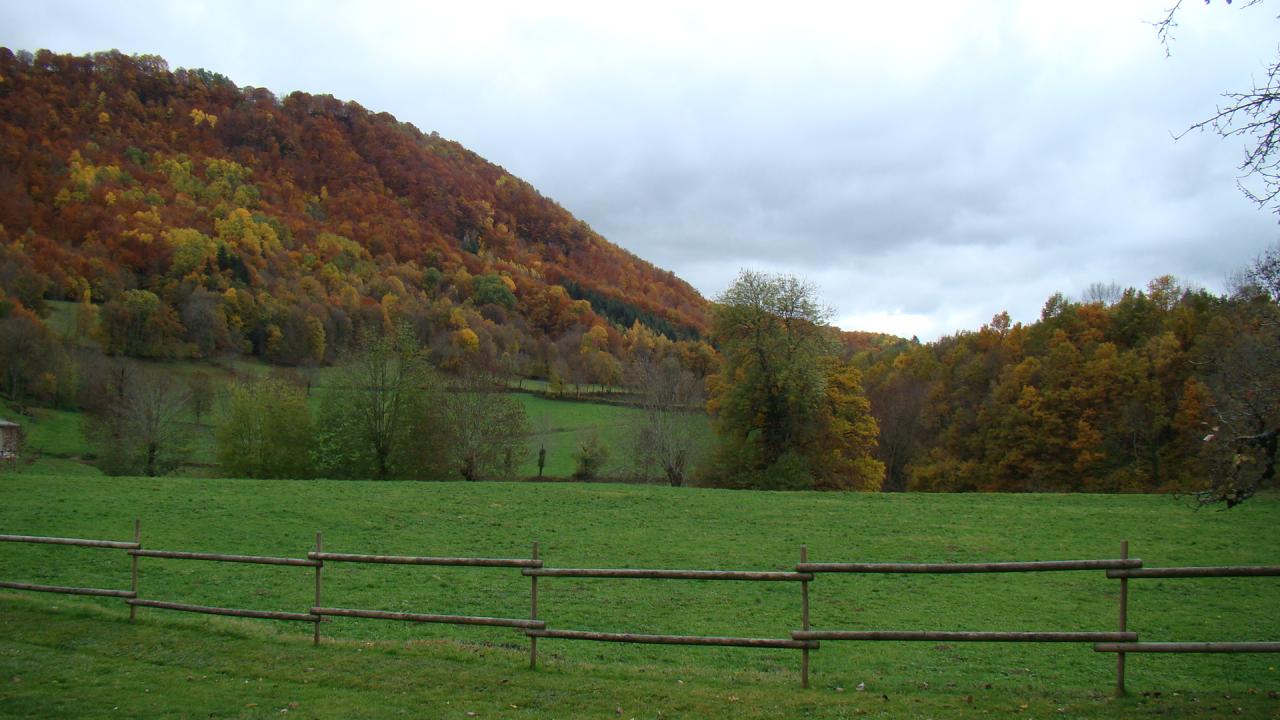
[[1121, 641]]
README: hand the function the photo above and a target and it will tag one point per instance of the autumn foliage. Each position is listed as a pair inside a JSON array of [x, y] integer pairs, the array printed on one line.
[[203, 218], [1106, 395], [189, 217]]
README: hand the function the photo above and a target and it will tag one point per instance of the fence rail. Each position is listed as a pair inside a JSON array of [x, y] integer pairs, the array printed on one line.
[[1221, 571], [70, 541], [412, 560], [791, 644], [1189, 647], [654, 574], [669, 574], [101, 592], [992, 567], [233, 612], [319, 556], [1199, 572], [422, 618], [217, 557], [964, 636], [806, 639]]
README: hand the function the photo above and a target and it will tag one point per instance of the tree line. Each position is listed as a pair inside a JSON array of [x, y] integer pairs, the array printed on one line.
[[385, 410], [389, 410], [1165, 388], [383, 414]]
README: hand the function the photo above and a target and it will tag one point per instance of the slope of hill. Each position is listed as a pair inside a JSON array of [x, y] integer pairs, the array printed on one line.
[[283, 226]]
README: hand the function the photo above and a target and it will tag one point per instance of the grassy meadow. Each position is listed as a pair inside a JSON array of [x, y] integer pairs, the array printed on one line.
[[56, 443], [561, 426], [75, 656]]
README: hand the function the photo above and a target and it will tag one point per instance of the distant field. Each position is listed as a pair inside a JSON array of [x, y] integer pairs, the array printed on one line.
[[565, 424], [56, 436], [53, 433], [629, 526]]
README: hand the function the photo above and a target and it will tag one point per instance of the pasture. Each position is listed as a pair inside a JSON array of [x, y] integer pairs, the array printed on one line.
[[84, 656], [57, 443]]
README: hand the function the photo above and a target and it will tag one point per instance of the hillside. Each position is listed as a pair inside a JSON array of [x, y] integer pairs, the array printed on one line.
[[234, 220], [168, 215]]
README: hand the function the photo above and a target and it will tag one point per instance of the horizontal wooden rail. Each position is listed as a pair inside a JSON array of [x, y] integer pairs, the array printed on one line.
[[993, 567], [70, 541], [218, 557], [667, 574], [1121, 642], [234, 612], [675, 639], [411, 560], [100, 592], [1189, 647], [962, 636], [422, 618], [1199, 572]]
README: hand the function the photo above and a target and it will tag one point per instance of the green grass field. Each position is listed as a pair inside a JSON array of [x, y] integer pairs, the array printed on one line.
[[563, 425], [50, 433], [56, 441], [84, 658]]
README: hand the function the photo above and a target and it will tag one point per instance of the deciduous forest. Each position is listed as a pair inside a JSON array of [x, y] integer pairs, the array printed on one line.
[[1164, 388], [189, 218], [194, 217]]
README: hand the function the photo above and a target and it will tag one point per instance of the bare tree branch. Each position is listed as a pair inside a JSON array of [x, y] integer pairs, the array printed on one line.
[[1253, 114]]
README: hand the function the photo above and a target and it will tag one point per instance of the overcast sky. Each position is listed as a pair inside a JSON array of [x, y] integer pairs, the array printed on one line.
[[926, 165]]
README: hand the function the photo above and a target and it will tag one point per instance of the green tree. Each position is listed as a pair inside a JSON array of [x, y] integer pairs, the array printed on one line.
[[590, 458], [379, 418], [266, 431], [492, 289], [788, 411], [193, 252], [486, 428]]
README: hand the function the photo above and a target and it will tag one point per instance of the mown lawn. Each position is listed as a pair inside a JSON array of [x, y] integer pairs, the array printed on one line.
[[373, 668]]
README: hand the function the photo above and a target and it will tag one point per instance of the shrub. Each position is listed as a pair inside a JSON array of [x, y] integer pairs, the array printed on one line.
[[589, 458]]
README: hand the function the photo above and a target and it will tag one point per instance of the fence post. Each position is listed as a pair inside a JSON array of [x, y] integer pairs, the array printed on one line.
[[533, 613], [804, 619], [319, 548], [1124, 619], [137, 538]]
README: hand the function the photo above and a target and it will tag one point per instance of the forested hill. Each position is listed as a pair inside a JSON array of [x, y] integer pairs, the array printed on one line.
[[239, 221]]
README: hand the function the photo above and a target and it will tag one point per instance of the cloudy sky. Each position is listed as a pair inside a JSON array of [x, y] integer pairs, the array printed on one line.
[[925, 164]]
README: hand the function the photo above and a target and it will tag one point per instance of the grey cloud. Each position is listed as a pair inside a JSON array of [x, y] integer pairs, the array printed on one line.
[[933, 164]]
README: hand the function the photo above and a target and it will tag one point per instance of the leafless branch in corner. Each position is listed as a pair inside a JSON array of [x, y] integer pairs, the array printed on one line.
[[1253, 115], [1164, 28]]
